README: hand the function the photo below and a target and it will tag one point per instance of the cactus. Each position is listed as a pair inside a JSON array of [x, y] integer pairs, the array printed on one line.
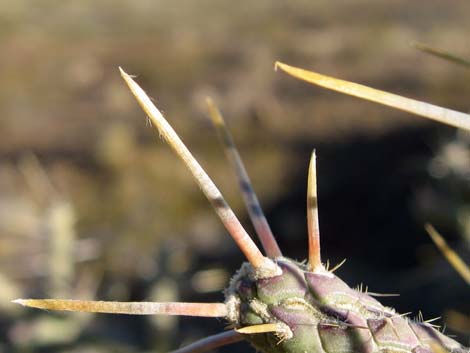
[[277, 304]]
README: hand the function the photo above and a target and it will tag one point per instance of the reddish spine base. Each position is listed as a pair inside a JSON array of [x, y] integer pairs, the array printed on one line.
[[318, 312]]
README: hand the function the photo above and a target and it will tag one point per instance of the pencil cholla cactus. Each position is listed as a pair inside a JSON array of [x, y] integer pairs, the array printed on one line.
[[279, 305]]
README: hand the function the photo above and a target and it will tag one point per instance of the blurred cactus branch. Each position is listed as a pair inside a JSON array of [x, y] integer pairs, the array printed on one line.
[[37, 179], [59, 224]]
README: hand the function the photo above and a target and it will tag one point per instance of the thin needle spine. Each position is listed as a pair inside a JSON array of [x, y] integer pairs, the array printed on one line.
[[255, 211], [264, 266], [337, 266], [314, 256], [130, 308], [430, 111]]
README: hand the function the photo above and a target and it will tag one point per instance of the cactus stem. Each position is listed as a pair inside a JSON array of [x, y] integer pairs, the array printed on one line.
[[314, 256], [211, 342], [255, 212], [131, 308], [430, 111], [345, 324], [264, 266], [438, 348]]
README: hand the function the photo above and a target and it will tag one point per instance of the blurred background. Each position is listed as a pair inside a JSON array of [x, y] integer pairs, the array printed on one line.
[[93, 205]]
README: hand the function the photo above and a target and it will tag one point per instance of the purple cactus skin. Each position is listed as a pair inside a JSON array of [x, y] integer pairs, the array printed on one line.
[[318, 312]]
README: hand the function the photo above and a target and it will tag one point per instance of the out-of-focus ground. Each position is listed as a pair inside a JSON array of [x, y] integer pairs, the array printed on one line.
[[94, 206]]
